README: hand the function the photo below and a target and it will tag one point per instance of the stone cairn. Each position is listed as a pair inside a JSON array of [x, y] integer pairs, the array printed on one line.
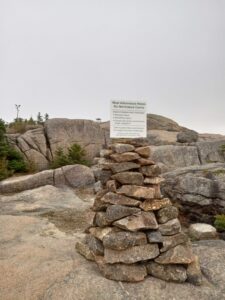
[[135, 231]]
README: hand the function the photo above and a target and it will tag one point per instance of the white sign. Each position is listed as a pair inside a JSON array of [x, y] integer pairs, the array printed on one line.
[[128, 119]]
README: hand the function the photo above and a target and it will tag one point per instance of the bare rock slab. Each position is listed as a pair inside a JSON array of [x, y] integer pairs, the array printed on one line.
[[124, 239], [129, 178], [122, 272], [167, 213], [170, 228], [181, 254], [142, 220], [137, 191], [143, 151], [131, 255], [202, 231], [116, 212], [155, 204], [123, 166], [175, 273], [171, 241], [127, 156], [113, 198], [121, 148]]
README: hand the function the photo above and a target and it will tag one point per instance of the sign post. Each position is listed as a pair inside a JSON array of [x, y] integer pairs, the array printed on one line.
[[128, 119]]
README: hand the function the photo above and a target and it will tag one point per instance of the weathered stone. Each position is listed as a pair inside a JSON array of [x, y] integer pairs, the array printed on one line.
[[101, 219], [127, 156], [84, 250], [78, 176], [155, 204], [187, 136], [154, 236], [142, 220], [158, 194], [153, 180], [123, 166], [99, 205], [122, 272], [95, 245], [98, 186], [101, 174], [167, 213], [105, 153], [171, 227], [143, 151], [116, 212], [124, 239], [151, 171], [174, 273], [112, 198], [131, 255], [137, 191], [181, 254], [100, 232], [194, 274], [129, 178], [111, 185], [201, 231], [169, 242], [121, 148], [145, 162]]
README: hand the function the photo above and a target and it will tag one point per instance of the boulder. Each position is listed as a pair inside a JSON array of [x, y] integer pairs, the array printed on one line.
[[170, 228], [78, 176], [161, 123], [202, 231], [210, 151], [167, 213]]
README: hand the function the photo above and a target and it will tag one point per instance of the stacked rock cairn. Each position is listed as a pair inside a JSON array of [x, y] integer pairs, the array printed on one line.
[[135, 231]]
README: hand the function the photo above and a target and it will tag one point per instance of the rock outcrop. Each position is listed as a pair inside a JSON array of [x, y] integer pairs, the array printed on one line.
[[75, 176]]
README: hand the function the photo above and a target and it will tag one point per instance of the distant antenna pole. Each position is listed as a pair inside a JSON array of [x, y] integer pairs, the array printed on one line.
[[17, 111]]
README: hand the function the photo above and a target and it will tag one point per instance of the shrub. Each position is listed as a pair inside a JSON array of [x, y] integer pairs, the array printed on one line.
[[74, 155], [219, 222]]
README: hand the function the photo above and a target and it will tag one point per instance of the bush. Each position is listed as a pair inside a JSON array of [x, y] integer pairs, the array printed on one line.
[[75, 155], [219, 222]]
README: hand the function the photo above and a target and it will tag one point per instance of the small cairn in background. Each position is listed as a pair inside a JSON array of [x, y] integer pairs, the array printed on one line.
[[135, 230]]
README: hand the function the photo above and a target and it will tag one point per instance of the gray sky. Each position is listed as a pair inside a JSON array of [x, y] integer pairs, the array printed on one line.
[[70, 57]]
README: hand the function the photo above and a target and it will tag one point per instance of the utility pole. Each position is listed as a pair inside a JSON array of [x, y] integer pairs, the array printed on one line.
[[17, 111]]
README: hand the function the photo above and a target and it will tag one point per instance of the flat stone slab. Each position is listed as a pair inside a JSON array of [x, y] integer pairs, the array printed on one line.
[[171, 241], [175, 273], [121, 148], [166, 214], [129, 178], [101, 232], [131, 255], [127, 156], [113, 198], [123, 166], [144, 151], [153, 180], [116, 212], [145, 162], [151, 171], [124, 239], [142, 220], [202, 231], [170, 228], [137, 191], [122, 272], [155, 204], [181, 254]]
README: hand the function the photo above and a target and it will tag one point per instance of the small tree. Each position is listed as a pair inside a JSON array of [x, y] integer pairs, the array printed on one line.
[[46, 117], [39, 118], [17, 111]]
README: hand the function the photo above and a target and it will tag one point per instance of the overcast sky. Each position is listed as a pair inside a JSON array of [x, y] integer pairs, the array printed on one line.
[[69, 58]]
